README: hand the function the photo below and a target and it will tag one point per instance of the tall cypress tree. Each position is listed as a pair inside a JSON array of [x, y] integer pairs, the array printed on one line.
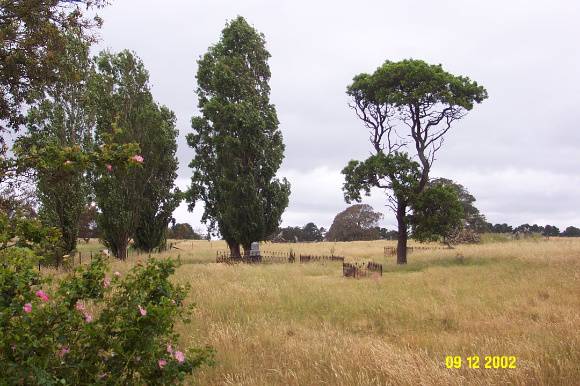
[[238, 146], [160, 198], [62, 119], [134, 202]]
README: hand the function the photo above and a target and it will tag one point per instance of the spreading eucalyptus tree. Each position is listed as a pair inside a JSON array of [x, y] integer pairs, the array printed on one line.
[[408, 107], [238, 145]]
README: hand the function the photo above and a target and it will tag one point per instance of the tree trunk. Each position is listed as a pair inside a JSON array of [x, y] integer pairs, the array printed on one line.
[[122, 249], [119, 248], [402, 236], [234, 249], [247, 248]]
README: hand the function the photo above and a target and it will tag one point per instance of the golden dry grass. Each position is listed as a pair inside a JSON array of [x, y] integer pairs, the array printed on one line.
[[304, 324]]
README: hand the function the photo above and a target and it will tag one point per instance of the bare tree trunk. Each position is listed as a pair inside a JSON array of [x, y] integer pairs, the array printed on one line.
[[402, 236]]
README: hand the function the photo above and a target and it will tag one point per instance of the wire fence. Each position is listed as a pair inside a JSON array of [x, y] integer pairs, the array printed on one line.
[[272, 257], [362, 269], [78, 258], [263, 258], [311, 258]]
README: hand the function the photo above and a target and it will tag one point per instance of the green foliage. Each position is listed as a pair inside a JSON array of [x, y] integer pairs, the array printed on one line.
[[59, 125], [93, 328], [134, 202], [61, 169], [551, 230], [160, 198], [500, 228], [308, 233], [18, 231], [474, 220], [395, 172], [33, 37], [437, 212], [424, 100], [357, 222], [571, 231], [58, 147], [183, 232], [88, 223], [413, 82], [238, 146]]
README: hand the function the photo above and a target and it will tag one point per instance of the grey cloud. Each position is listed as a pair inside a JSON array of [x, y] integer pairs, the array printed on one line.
[[525, 53]]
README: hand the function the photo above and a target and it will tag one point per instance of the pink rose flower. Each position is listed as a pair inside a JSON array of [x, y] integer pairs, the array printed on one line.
[[117, 273], [169, 349], [27, 308], [88, 317], [63, 351], [42, 295], [142, 311], [161, 363], [137, 158], [179, 356], [80, 306], [106, 282], [109, 167]]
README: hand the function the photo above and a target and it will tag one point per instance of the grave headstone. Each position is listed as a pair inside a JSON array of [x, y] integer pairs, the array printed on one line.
[[255, 249]]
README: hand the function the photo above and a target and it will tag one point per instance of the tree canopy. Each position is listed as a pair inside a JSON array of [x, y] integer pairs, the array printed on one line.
[[183, 231], [33, 39], [134, 201], [308, 233], [61, 119], [472, 217], [571, 231], [437, 212], [357, 222], [406, 105], [238, 145]]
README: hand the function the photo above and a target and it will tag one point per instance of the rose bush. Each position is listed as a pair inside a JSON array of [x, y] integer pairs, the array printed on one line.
[[92, 327]]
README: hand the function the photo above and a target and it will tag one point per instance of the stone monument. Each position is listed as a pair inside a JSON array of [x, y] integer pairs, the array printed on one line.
[[255, 249]]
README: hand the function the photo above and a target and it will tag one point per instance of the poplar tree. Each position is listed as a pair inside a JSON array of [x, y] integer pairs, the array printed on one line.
[[133, 200], [238, 145]]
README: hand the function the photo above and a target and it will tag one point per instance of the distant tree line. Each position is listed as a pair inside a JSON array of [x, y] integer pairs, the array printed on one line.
[[308, 233], [547, 230], [345, 229]]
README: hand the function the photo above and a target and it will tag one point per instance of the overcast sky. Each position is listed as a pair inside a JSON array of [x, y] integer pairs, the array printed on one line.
[[517, 152]]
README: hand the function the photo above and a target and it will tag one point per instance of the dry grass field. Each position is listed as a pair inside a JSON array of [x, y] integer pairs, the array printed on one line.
[[304, 324]]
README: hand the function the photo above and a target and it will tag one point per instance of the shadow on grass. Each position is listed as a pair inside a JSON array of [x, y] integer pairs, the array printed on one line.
[[418, 266]]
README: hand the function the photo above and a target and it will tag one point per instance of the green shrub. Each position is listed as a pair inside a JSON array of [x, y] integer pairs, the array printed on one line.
[[92, 328]]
